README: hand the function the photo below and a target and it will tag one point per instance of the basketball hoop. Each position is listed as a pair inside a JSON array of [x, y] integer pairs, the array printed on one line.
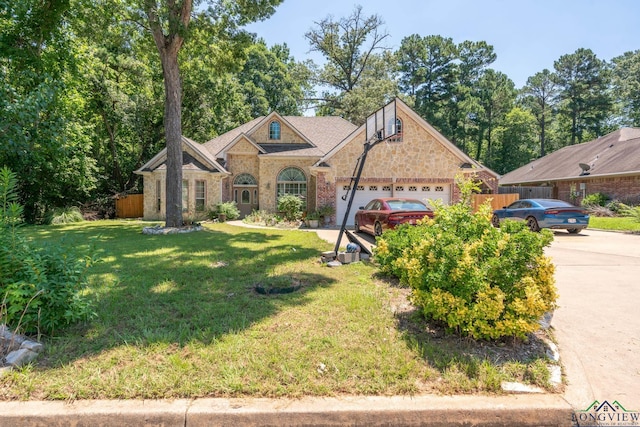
[[381, 125]]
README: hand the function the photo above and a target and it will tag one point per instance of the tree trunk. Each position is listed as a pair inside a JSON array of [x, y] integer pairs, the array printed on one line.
[[173, 136]]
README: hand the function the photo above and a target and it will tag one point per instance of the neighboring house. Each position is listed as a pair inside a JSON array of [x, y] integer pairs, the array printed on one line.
[[315, 158], [608, 165]]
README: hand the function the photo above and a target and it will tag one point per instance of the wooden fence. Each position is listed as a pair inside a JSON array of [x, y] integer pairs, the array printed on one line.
[[497, 200], [528, 192], [131, 206]]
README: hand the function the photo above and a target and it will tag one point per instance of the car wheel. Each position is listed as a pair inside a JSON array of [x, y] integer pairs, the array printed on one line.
[[356, 226], [574, 230], [377, 229], [532, 223], [495, 221]]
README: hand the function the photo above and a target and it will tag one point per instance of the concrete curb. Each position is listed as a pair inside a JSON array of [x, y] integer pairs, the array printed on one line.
[[423, 410]]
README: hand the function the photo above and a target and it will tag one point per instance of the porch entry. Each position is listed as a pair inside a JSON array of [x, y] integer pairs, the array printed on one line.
[[245, 193]]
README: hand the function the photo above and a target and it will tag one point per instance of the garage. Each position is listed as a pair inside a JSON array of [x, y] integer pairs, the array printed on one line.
[[424, 192], [367, 192]]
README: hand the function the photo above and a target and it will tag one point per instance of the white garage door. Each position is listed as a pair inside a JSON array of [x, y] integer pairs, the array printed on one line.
[[424, 192], [365, 193]]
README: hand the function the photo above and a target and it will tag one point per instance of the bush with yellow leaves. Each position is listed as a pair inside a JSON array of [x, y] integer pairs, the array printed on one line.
[[480, 281]]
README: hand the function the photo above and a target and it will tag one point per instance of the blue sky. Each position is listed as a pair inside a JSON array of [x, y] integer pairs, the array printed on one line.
[[527, 35]]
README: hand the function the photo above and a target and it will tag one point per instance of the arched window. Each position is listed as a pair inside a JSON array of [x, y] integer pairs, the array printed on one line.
[[245, 179], [292, 181], [398, 136], [399, 129], [274, 130], [243, 195]]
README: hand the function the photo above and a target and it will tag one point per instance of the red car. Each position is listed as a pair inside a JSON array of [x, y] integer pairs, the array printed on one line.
[[387, 213]]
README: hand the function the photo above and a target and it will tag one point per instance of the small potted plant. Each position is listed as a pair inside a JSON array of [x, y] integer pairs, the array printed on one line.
[[325, 212], [227, 210], [313, 218]]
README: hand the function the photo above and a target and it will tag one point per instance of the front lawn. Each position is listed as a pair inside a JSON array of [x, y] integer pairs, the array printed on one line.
[[619, 223], [178, 316]]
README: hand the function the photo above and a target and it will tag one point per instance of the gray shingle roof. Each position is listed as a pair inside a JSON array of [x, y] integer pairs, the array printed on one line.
[[613, 154], [324, 133]]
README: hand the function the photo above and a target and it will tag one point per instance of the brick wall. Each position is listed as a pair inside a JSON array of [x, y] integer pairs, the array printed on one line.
[[625, 189]]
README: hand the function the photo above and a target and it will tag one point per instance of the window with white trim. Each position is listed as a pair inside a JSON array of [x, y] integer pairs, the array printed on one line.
[[158, 195], [185, 195], [292, 181], [201, 195], [274, 130]]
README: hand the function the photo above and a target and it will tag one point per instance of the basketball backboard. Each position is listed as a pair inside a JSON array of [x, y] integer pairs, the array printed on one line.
[[382, 124]]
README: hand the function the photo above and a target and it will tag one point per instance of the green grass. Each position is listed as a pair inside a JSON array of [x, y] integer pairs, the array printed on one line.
[[177, 316], [614, 223]]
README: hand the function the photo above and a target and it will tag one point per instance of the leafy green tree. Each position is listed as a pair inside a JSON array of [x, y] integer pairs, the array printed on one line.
[[626, 83], [168, 21], [350, 47], [584, 97], [40, 108], [514, 141], [121, 90], [428, 74], [496, 95], [473, 60], [539, 95], [272, 81]]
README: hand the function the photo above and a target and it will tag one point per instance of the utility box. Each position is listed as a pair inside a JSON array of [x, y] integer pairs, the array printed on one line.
[[348, 257]]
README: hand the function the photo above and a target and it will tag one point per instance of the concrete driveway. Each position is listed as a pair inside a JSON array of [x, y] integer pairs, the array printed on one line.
[[597, 324]]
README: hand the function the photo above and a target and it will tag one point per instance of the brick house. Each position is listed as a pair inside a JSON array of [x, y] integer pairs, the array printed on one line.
[[313, 157], [609, 165]]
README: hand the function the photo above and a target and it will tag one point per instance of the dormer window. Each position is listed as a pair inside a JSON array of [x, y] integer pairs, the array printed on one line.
[[274, 130]]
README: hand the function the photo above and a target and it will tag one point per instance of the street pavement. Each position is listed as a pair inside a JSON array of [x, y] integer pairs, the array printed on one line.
[[596, 326]]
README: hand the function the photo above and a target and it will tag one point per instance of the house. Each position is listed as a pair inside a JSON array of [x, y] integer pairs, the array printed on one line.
[[315, 158], [609, 165]]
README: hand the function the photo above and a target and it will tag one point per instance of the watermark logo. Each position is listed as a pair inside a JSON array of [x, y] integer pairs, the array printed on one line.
[[606, 414]]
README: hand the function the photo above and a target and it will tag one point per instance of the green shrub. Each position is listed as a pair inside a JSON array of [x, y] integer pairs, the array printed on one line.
[[65, 216], [632, 212], [10, 210], [229, 209], [595, 199], [41, 289], [481, 281], [290, 206], [616, 206]]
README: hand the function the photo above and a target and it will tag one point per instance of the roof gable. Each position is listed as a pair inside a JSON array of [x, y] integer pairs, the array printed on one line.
[[401, 105], [306, 136], [613, 154], [195, 157]]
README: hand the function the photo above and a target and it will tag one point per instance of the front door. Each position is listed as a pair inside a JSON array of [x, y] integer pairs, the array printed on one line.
[[245, 193], [247, 200]]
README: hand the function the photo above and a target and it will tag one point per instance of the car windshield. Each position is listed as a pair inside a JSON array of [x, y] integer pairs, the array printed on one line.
[[553, 204], [406, 205]]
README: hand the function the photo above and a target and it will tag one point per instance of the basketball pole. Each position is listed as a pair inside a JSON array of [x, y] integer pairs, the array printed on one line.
[[367, 146]]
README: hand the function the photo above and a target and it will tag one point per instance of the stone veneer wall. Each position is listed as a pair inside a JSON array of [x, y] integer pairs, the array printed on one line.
[[270, 167], [213, 195], [287, 136], [420, 157]]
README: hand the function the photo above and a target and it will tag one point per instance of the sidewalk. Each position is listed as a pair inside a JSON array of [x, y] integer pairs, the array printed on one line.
[[431, 410]]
